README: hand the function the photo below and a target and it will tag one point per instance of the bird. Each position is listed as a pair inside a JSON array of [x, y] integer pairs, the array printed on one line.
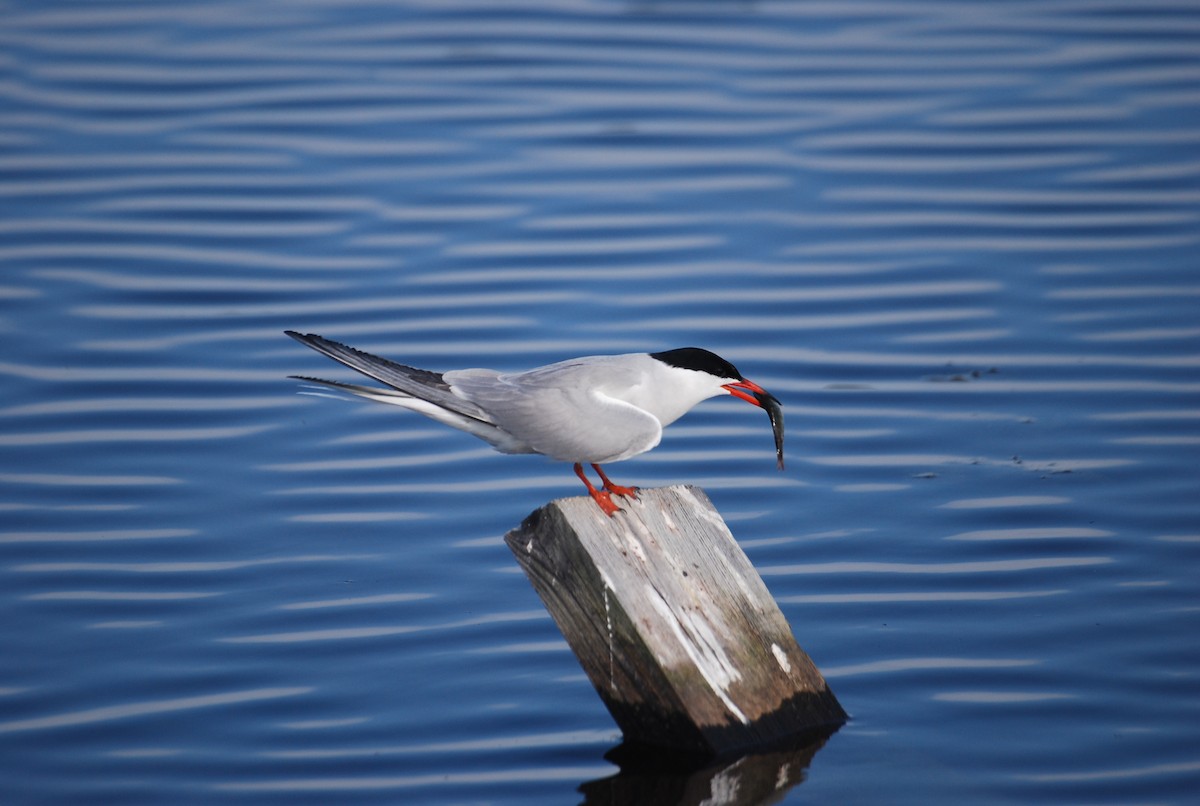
[[591, 410]]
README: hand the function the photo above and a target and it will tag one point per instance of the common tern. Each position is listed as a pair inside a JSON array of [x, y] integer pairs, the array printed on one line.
[[595, 410]]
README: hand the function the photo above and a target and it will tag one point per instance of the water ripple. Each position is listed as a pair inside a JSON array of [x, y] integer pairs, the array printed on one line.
[[82, 480], [127, 281], [530, 775], [956, 238], [575, 246], [119, 596], [359, 601], [1122, 774], [181, 567], [1032, 533], [94, 536], [130, 710], [1001, 697], [1006, 501], [900, 597], [189, 405], [378, 631], [175, 254], [130, 435], [981, 567], [893, 665], [860, 292], [424, 303], [533, 740]]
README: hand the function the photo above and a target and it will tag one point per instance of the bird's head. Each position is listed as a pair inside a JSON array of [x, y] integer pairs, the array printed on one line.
[[727, 377]]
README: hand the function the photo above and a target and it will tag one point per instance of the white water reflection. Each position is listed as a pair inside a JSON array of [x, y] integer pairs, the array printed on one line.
[[147, 708], [358, 517], [407, 460], [894, 665], [918, 596], [1033, 533], [359, 601], [159, 435], [119, 596], [547, 741], [1001, 697], [95, 405], [199, 567], [435, 780], [95, 536], [1006, 501], [353, 633], [858, 293], [1122, 774], [224, 283], [71, 480], [982, 567]]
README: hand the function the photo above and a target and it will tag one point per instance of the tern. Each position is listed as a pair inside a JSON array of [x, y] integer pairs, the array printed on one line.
[[594, 410]]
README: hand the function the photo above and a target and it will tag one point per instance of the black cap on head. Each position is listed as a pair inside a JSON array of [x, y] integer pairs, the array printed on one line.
[[700, 360]]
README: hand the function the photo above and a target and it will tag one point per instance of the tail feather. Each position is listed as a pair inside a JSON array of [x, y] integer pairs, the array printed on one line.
[[414, 389], [370, 392], [488, 432], [421, 384]]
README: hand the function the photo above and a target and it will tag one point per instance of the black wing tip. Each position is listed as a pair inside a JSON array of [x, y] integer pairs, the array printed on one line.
[[381, 369], [324, 345], [316, 340], [305, 338]]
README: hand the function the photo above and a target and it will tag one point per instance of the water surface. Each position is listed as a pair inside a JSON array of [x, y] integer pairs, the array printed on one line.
[[957, 240]]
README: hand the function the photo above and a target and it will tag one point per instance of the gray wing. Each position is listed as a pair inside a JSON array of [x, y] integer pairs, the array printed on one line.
[[418, 383], [559, 411]]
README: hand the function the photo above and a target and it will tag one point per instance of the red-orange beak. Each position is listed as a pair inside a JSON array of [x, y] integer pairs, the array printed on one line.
[[753, 393]]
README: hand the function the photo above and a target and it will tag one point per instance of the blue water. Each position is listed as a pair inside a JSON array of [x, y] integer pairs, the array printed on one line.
[[957, 240]]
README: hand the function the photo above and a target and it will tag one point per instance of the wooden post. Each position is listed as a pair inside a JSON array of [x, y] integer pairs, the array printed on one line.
[[672, 624]]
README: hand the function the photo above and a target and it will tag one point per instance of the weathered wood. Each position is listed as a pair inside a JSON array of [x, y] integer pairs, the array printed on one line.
[[672, 624]]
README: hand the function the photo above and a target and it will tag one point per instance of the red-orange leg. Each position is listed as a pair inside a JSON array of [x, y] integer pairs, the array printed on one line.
[[615, 489], [602, 497]]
